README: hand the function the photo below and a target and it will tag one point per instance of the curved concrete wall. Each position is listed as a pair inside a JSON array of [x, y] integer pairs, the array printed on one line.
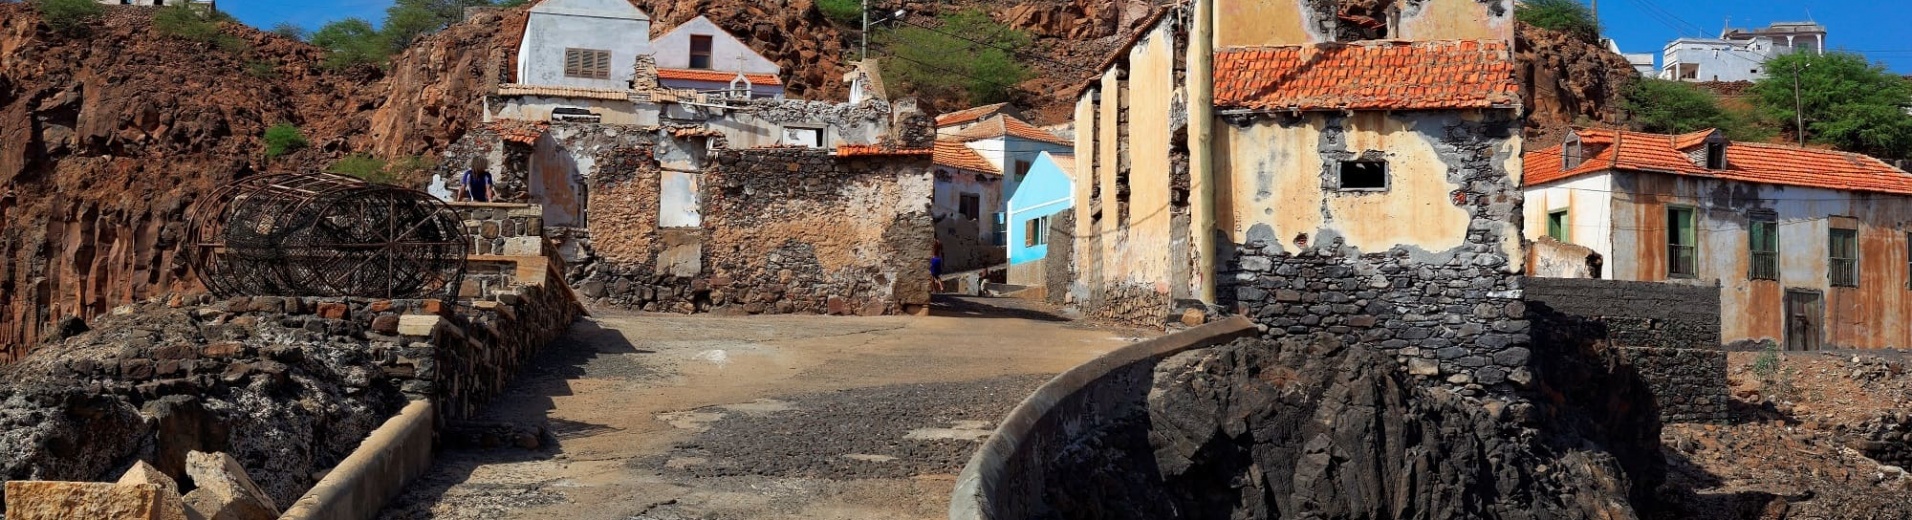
[[1004, 478]]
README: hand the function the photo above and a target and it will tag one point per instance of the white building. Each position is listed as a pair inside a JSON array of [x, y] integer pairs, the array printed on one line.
[[583, 43], [206, 4], [1642, 62], [700, 56], [1739, 54]]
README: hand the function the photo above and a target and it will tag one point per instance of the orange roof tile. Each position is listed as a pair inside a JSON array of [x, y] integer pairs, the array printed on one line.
[[1004, 125], [1375, 75], [969, 114], [877, 150], [1745, 162], [516, 131], [955, 154], [716, 76]]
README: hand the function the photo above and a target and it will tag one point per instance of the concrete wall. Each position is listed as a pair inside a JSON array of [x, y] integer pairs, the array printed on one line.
[[1006, 476], [394, 455], [1668, 332], [538, 108], [1867, 316], [555, 25], [727, 52]]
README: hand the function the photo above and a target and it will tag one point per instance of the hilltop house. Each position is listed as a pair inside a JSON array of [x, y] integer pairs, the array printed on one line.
[[1318, 170], [1739, 54], [1809, 248], [582, 44]]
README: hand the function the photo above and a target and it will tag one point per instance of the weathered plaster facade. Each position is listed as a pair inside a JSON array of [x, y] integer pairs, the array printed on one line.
[[1425, 266]]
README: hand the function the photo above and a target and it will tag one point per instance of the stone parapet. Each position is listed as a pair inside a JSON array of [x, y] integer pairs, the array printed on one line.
[[1668, 333]]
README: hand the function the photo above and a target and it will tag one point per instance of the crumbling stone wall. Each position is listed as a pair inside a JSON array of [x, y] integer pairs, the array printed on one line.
[[503, 229], [1669, 333], [783, 231]]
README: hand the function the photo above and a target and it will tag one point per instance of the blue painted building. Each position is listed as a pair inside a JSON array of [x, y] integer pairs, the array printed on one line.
[[1049, 189]]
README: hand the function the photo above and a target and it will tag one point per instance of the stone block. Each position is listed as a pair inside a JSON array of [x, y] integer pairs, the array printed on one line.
[[334, 310], [224, 491], [523, 246], [385, 324], [416, 325], [170, 504], [41, 500], [1423, 367]]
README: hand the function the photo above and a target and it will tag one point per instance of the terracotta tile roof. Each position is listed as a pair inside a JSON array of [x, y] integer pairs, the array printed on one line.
[[877, 150], [521, 132], [1745, 162], [1007, 126], [955, 154], [1066, 162], [969, 114], [1376, 75], [558, 91], [716, 76]]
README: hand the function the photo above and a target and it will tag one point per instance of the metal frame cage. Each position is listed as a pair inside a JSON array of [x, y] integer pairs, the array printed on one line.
[[320, 234]]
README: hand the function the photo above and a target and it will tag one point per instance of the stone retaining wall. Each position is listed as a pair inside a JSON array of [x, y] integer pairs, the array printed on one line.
[[1006, 477], [1457, 320], [1669, 333]]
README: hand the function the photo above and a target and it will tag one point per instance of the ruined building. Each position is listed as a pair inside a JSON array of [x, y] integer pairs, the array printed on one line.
[[1808, 248], [673, 196], [1343, 172]]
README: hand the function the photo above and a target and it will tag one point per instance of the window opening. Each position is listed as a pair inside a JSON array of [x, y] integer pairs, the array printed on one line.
[[700, 52], [587, 63], [970, 205], [1844, 258], [805, 137], [1682, 246], [1364, 175], [1037, 233], [1022, 170], [1765, 250], [1715, 156], [1557, 225], [1572, 152]]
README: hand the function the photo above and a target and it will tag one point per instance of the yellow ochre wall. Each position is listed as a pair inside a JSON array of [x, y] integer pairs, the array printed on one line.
[[1293, 22]]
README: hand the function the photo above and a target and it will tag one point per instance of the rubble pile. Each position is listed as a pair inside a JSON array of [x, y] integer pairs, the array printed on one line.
[[286, 392], [1817, 435]]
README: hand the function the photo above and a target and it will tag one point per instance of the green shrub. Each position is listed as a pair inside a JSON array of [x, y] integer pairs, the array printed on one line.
[[1568, 16], [182, 21], [366, 168], [262, 69], [351, 42], [1847, 101], [848, 12], [69, 16], [283, 138], [288, 30], [935, 63]]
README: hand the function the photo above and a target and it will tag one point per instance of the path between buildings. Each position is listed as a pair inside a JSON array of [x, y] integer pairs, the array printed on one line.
[[763, 417]]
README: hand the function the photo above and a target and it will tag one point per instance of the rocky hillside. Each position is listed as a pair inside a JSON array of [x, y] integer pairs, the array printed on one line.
[[1567, 81]]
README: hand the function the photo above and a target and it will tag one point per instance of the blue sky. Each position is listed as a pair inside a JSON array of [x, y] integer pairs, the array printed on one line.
[[1877, 27]]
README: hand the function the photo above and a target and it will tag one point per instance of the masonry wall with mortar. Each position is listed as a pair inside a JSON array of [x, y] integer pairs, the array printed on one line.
[[1669, 333], [785, 230]]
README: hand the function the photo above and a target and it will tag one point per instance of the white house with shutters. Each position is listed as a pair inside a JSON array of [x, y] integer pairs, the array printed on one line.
[[699, 55], [583, 44]]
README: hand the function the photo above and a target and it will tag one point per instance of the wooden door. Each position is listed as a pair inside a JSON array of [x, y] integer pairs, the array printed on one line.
[[1805, 314]]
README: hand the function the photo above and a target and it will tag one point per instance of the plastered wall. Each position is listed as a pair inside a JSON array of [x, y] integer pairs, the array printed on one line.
[[1296, 22]]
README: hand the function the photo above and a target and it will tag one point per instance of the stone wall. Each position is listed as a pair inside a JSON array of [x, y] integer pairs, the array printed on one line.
[[784, 230], [1669, 333], [503, 229], [1458, 321]]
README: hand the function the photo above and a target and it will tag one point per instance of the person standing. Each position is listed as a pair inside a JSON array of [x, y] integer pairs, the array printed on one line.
[[476, 184]]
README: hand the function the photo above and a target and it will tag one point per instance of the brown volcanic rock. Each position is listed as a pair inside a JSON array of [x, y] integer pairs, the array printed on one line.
[[1567, 81]]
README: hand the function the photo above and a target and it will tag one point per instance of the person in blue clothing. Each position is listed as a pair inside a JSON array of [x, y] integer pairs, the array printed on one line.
[[936, 268], [476, 185]]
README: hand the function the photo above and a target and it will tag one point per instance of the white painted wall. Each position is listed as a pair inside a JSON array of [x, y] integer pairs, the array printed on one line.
[[1003, 152], [539, 108], [727, 53], [1589, 204], [555, 25]]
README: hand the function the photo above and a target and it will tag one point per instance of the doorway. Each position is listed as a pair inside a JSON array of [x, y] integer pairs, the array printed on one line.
[[1805, 320]]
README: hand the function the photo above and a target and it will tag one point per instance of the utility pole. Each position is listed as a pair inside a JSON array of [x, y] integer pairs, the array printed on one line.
[[866, 30], [1799, 113]]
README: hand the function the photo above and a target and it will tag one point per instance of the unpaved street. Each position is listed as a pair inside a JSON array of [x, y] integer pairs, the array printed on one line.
[[680, 417]]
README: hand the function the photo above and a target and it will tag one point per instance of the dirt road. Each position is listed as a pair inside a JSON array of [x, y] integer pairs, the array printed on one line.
[[680, 417]]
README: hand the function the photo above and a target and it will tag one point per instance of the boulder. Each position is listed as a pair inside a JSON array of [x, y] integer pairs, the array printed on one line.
[[224, 491], [40, 500], [170, 505]]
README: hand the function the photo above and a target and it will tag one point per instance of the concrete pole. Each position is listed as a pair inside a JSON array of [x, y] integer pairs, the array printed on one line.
[[1799, 114], [1201, 136], [866, 31]]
